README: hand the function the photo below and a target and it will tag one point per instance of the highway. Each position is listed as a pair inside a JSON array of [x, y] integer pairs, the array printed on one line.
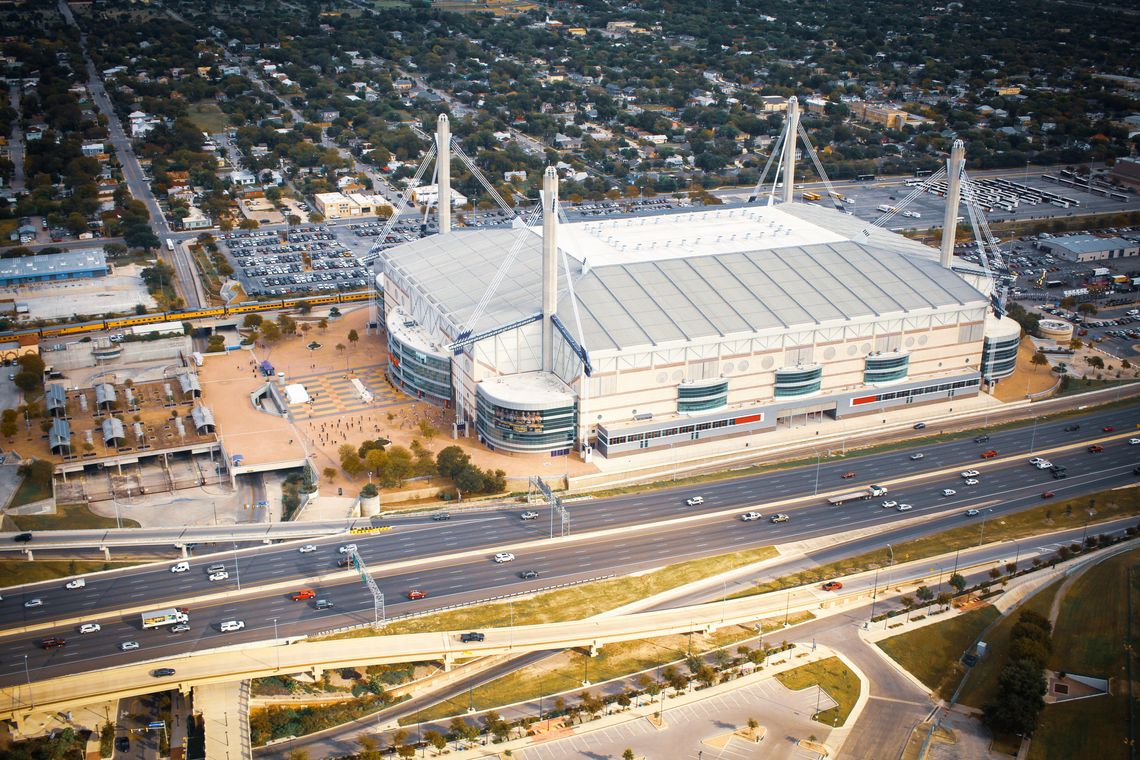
[[426, 546]]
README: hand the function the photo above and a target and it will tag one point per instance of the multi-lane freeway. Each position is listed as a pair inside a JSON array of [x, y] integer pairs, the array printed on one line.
[[645, 530]]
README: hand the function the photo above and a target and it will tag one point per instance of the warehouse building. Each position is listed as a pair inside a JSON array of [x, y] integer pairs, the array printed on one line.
[[53, 266], [1081, 248], [620, 335]]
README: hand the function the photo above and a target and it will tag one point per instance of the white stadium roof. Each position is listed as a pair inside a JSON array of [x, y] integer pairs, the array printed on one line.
[[673, 278]]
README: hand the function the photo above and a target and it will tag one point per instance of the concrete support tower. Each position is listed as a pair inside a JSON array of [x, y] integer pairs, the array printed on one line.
[[443, 170], [790, 148], [950, 219], [549, 264]]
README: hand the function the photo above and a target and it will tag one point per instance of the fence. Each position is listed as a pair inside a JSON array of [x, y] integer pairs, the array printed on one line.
[[461, 605]]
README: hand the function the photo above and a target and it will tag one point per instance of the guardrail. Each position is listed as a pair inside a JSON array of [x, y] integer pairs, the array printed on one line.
[[461, 605]]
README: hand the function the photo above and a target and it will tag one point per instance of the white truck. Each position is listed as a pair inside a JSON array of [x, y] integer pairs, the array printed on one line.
[[168, 616], [869, 492], [886, 209]]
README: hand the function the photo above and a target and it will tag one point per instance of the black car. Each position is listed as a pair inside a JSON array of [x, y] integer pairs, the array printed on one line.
[[919, 425], [981, 439], [469, 637], [441, 516], [122, 743], [22, 538], [527, 575], [1136, 470], [343, 562], [162, 672], [1071, 428], [323, 604]]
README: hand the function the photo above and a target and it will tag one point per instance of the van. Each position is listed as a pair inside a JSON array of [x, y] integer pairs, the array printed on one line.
[[229, 626], [216, 569], [323, 604], [181, 567]]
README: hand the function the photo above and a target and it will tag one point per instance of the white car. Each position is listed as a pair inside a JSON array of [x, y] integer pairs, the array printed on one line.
[[181, 567], [347, 548], [970, 474], [905, 507], [919, 455], [948, 492], [307, 548], [1044, 464], [229, 626], [223, 575], [749, 516], [1036, 460], [34, 603], [1133, 441], [77, 583], [972, 481], [529, 516], [502, 557], [127, 646], [90, 628], [694, 501], [180, 628], [890, 504]]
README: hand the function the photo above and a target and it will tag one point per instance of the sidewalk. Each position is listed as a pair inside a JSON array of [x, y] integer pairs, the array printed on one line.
[[676, 731]]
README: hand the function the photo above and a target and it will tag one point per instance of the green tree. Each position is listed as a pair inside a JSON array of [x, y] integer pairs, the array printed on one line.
[[252, 320], [1039, 359], [958, 581], [924, 593], [353, 337], [450, 461], [627, 755], [1019, 700], [270, 332]]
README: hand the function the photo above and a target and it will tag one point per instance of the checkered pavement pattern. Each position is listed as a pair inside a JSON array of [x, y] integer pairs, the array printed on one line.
[[332, 394]]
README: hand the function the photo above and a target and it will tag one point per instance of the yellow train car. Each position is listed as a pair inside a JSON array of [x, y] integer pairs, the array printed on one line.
[[141, 319], [249, 308], [363, 295], [318, 300], [52, 332], [199, 314]]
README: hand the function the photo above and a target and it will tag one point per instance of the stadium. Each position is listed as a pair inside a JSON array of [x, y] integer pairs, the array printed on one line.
[[615, 336]]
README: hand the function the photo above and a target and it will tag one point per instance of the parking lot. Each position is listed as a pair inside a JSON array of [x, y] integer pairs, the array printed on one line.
[[306, 259]]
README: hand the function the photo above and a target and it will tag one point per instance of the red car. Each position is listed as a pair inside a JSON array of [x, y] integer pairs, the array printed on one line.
[[1108, 428], [989, 454], [417, 594], [849, 474], [1048, 495], [1096, 449], [832, 586], [305, 593]]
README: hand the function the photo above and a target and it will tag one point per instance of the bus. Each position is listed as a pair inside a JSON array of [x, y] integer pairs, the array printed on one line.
[[810, 196], [864, 177], [170, 244], [922, 172]]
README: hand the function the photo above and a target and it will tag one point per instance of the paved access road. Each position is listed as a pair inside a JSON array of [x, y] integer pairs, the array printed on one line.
[[427, 547]]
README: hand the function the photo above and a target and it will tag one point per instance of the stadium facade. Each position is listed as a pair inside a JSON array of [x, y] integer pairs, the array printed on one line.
[[620, 335]]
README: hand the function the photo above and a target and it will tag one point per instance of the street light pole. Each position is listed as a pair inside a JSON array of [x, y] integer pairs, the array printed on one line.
[[28, 676], [237, 570], [276, 644], [1033, 437], [874, 593], [816, 492]]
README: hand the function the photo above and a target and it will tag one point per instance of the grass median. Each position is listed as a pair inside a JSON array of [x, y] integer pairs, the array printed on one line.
[[567, 670], [68, 517], [18, 572], [575, 603], [833, 677], [1045, 518]]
